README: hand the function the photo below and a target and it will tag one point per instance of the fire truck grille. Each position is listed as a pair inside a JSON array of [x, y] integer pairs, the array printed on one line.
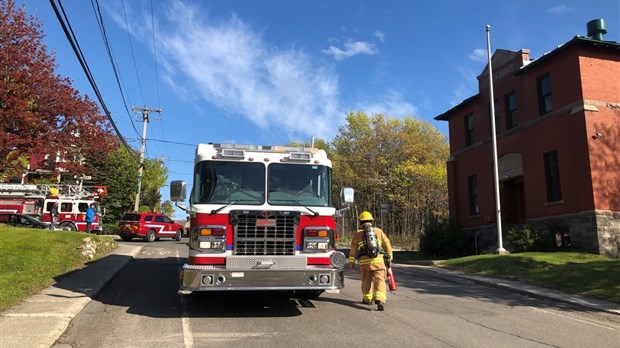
[[261, 233]]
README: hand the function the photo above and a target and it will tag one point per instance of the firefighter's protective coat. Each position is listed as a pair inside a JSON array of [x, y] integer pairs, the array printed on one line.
[[373, 269]]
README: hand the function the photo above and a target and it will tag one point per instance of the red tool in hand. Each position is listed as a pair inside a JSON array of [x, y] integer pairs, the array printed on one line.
[[390, 275]]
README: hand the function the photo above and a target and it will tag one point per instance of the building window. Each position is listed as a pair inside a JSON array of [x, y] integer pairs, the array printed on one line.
[[510, 102], [552, 177], [545, 103], [497, 130], [473, 195], [469, 129]]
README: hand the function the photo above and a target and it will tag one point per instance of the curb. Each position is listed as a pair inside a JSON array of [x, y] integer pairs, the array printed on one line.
[[521, 288]]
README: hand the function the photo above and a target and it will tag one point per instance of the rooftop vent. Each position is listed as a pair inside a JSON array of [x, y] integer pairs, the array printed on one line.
[[596, 29]]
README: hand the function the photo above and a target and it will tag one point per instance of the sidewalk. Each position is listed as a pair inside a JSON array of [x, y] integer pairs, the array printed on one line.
[[40, 319], [518, 287]]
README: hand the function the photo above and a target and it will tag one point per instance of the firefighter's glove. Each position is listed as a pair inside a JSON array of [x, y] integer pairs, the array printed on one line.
[[352, 266]]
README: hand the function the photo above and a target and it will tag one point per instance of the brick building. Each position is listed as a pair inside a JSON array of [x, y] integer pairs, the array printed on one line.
[[558, 144]]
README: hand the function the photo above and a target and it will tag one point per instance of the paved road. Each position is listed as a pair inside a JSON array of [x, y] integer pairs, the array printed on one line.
[[139, 307]]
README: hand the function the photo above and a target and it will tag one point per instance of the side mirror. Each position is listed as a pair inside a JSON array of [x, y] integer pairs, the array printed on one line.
[[347, 195], [178, 191]]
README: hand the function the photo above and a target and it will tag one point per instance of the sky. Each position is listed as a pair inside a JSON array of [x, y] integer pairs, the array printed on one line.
[[270, 72]]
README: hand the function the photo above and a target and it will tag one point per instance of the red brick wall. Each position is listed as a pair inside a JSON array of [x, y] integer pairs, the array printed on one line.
[[601, 85], [589, 168]]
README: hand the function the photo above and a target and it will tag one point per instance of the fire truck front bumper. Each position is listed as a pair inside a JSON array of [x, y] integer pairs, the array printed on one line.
[[202, 278]]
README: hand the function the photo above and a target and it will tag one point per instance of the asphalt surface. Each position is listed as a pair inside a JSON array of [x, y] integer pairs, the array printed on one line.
[[41, 319]]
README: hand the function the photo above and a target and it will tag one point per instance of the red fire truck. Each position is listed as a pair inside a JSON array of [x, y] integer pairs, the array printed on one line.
[[261, 218], [38, 200]]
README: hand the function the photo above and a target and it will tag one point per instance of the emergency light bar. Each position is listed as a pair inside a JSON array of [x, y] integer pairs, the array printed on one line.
[[233, 153], [300, 156], [265, 148]]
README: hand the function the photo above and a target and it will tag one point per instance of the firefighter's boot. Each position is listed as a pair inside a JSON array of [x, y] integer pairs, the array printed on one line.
[[380, 306]]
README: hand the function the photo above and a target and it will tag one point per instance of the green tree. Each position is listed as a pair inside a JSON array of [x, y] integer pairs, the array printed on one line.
[[168, 209], [398, 162], [119, 175], [154, 178]]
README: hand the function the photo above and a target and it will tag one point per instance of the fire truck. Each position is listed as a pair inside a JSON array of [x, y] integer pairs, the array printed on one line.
[[261, 218], [38, 200]]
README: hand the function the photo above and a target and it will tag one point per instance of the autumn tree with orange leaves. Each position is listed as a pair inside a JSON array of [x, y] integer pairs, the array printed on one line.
[[40, 112]]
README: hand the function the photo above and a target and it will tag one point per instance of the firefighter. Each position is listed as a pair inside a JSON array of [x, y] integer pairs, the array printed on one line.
[[368, 246], [54, 216]]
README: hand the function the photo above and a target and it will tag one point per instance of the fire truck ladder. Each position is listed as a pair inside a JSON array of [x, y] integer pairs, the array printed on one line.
[[73, 191]]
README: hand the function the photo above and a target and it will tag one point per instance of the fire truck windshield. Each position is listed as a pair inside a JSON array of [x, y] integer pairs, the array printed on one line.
[[305, 184], [225, 182]]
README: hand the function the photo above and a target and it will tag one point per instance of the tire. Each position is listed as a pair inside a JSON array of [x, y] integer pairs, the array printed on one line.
[[68, 225], [179, 235], [126, 238], [151, 236], [308, 294]]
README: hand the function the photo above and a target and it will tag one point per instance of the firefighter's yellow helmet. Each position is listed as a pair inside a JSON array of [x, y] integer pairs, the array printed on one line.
[[365, 216]]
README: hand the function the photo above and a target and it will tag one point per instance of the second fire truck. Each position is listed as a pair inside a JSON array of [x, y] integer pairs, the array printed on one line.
[[262, 218], [38, 200]]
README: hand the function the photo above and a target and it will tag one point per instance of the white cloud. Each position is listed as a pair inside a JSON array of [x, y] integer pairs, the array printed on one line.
[[228, 65], [479, 55], [351, 48], [392, 104], [466, 86], [380, 35], [559, 9]]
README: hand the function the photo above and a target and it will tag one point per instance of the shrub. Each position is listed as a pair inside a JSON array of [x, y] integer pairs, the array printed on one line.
[[523, 238], [442, 238]]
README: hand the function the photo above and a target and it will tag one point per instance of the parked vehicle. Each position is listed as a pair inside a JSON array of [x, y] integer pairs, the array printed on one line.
[[21, 220], [72, 200], [148, 226]]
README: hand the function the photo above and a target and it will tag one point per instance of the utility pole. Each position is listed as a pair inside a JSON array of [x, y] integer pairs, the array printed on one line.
[[145, 118]]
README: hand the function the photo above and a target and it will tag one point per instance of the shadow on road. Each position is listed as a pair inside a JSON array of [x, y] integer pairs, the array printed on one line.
[[148, 285]]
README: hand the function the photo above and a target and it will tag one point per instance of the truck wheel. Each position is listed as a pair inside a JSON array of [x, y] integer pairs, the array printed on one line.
[[178, 236], [67, 226], [150, 236], [308, 294]]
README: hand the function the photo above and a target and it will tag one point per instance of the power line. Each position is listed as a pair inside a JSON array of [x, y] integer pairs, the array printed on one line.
[[106, 41], [66, 27], [155, 54], [171, 142], [156, 70], [133, 56]]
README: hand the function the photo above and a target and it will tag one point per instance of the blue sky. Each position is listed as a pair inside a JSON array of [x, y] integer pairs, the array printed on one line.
[[274, 71]]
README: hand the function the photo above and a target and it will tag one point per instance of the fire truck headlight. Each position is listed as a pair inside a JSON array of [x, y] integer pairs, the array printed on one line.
[[208, 238], [210, 245], [337, 259], [312, 245], [318, 239]]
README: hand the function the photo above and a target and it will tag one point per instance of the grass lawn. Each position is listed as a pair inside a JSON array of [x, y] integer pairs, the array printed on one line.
[[571, 272], [30, 259]]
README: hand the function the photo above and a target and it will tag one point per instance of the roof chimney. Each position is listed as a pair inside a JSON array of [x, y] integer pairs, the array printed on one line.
[[596, 29]]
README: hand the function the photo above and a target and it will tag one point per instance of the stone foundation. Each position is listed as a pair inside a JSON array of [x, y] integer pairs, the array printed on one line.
[[596, 232]]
